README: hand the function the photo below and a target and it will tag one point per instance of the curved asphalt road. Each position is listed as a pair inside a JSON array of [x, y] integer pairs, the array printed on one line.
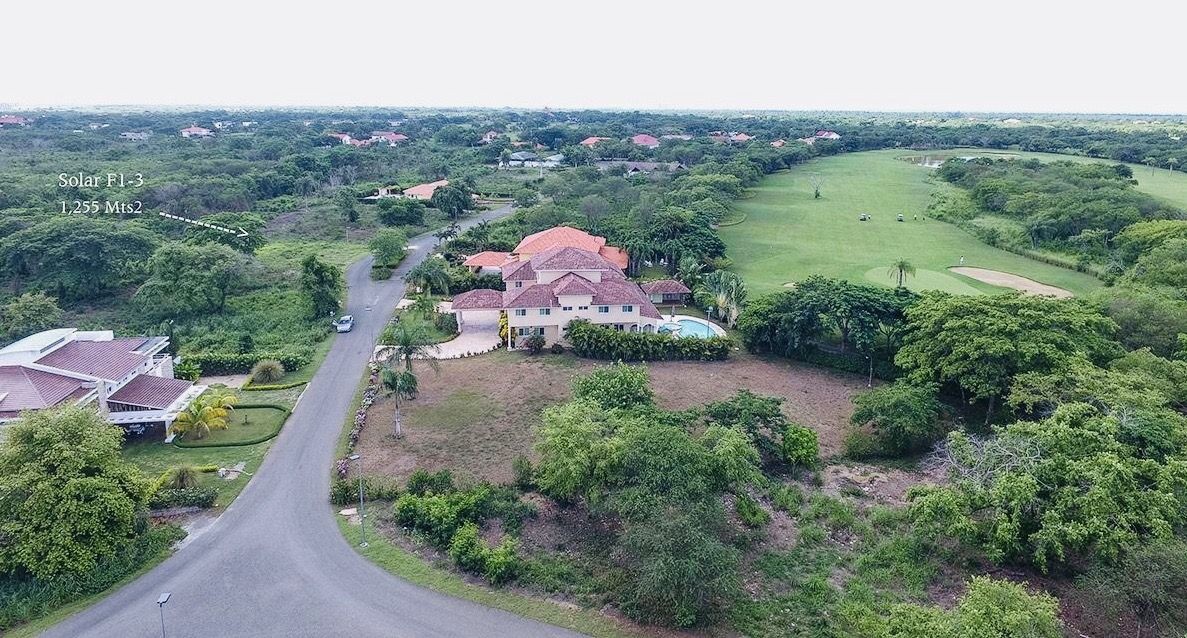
[[274, 564]]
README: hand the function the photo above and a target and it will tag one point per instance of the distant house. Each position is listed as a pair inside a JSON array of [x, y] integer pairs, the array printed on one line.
[[489, 137], [425, 191], [13, 120], [528, 159], [391, 137], [341, 137], [643, 139], [95, 126], [676, 137], [384, 192], [779, 143], [1011, 120], [224, 125], [590, 141], [487, 261], [136, 136], [639, 168], [196, 131], [129, 380], [740, 137], [248, 124], [523, 156], [732, 136], [820, 135], [666, 291]]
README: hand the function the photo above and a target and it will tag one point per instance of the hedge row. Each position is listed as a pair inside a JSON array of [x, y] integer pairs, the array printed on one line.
[[857, 364], [598, 342], [345, 491], [241, 363], [251, 386], [190, 497]]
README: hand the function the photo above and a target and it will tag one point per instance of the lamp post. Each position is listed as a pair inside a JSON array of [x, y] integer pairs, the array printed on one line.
[[708, 326], [161, 600], [362, 513]]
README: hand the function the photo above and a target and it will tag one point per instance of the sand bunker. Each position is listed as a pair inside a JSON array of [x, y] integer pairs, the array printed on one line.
[[998, 278]]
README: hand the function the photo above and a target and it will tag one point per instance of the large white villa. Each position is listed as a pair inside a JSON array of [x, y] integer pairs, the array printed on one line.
[[129, 380], [577, 277]]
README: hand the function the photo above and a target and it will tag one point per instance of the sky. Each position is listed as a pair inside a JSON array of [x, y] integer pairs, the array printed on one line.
[[921, 55]]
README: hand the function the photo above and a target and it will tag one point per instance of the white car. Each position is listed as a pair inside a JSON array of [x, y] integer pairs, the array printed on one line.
[[345, 323]]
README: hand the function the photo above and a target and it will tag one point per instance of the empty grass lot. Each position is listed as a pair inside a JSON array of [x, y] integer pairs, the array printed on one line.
[[788, 235]]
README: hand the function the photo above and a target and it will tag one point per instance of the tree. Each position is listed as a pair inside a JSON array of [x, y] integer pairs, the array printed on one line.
[[389, 246], [67, 496], [1171, 163], [615, 386], [447, 233], [817, 182], [725, 292], [403, 211], [688, 272], [424, 305], [1151, 162], [989, 609], [400, 384], [188, 280], [347, 204], [452, 200], [904, 417], [979, 344], [594, 208], [321, 283], [902, 267], [430, 275], [205, 413], [409, 344], [247, 236], [1164, 265], [28, 313]]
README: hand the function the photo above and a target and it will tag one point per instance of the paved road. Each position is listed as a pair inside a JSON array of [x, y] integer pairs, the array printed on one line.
[[274, 564]]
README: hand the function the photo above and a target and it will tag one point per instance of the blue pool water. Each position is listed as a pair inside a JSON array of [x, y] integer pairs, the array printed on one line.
[[689, 328]]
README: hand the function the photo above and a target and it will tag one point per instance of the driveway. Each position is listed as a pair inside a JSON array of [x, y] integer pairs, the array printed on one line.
[[274, 564], [480, 333]]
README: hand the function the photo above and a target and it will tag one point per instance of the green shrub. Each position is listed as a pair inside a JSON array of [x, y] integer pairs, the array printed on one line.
[[446, 322], [467, 549], [787, 498], [182, 477], [381, 273], [557, 348], [616, 386], [346, 491], [599, 342], [750, 512], [502, 562], [267, 371], [187, 370], [533, 344], [861, 444], [522, 467], [191, 497], [800, 446], [216, 363], [438, 516], [903, 417], [422, 482]]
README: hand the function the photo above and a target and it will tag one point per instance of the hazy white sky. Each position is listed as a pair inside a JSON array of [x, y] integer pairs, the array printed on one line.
[[1004, 55]]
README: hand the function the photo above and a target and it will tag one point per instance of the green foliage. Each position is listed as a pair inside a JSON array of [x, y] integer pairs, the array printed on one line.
[[401, 212], [758, 416], [903, 417], [345, 491], [215, 363], [267, 371], [800, 446], [787, 498], [191, 280], [422, 482], [498, 564], [252, 225], [1146, 318], [1140, 238], [389, 246], [182, 477], [533, 344], [524, 473], [453, 200], [1164, 265], [187, 370], [439, 516], [598, 342], [1149, 582], [750, 512], [203, 497], [68, 500], [321, 285], [27, 314], [574, 450], [616, 386]]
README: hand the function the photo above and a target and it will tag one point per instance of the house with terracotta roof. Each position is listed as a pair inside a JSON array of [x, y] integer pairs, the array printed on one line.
[[556, 237], [552, 287], [666, 291], [820, 135], [196, 131], [425, 191], [391, 137], [489, 137], [643, 139], [590, 141], [779, 143], [129, 380]]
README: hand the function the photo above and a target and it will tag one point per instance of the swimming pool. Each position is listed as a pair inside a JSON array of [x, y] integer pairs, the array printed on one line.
[[689, 328]]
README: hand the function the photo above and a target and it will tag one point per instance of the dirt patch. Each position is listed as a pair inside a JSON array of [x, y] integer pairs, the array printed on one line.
[[479, 413], [1008, 280], [884, 485]]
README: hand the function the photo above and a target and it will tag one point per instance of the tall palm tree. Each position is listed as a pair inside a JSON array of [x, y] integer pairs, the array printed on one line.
[[424, 305], [725, 292], [409, 343], [1151, 162], [205, 413], [902, 267], [429, 275], [400, 384], [1171, 162]]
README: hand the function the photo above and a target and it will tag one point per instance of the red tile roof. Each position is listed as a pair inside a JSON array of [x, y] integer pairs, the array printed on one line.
[[643, 139], [478, 299], [665, 287], [559, 236], [23, 388], [569, 258], [573, 284], [110, 360], [487, 258], [519, 271], [151, 392], [425, 191], [616, 256], [590, 141]]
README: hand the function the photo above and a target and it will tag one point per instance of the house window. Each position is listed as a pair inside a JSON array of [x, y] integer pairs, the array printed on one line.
[[540, 331], [628, 308], [619, 327], [604, 310], [546, 311], [521, 312], [583, 307], [567, 308], [519, 284]]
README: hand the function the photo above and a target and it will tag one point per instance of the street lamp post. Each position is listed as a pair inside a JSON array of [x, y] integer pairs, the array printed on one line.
[[161, 600], [708, 326], [362, 513]]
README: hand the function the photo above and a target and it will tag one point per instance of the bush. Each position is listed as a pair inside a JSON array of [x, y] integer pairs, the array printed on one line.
[[267, 371], [212, 363], [467, 549], [422, 482], [751, 513], [599, 342], [787, 498], [346, 491], [616, 386], [1150, 582], [438, 516], [861, 444], [502, 562], [524, 474], [534, 344], [904, 417], [381, 273], [445, 322], [182, 477], [800, 446], [187, 370], [557, 348], [401, 212], [203, 497]]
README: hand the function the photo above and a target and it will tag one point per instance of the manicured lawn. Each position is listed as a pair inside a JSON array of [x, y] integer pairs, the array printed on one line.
[[245, 424], [417, 320], [154, 456], [788, 235]]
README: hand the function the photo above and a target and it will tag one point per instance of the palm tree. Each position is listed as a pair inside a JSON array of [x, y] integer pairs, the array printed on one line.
[[1171, 162], [424, 305], [902, 267], [724, 291], [400, 384], [688, 271], [408, 343], [1151, 162], [205, 413], [429, 275], [447, 233]]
